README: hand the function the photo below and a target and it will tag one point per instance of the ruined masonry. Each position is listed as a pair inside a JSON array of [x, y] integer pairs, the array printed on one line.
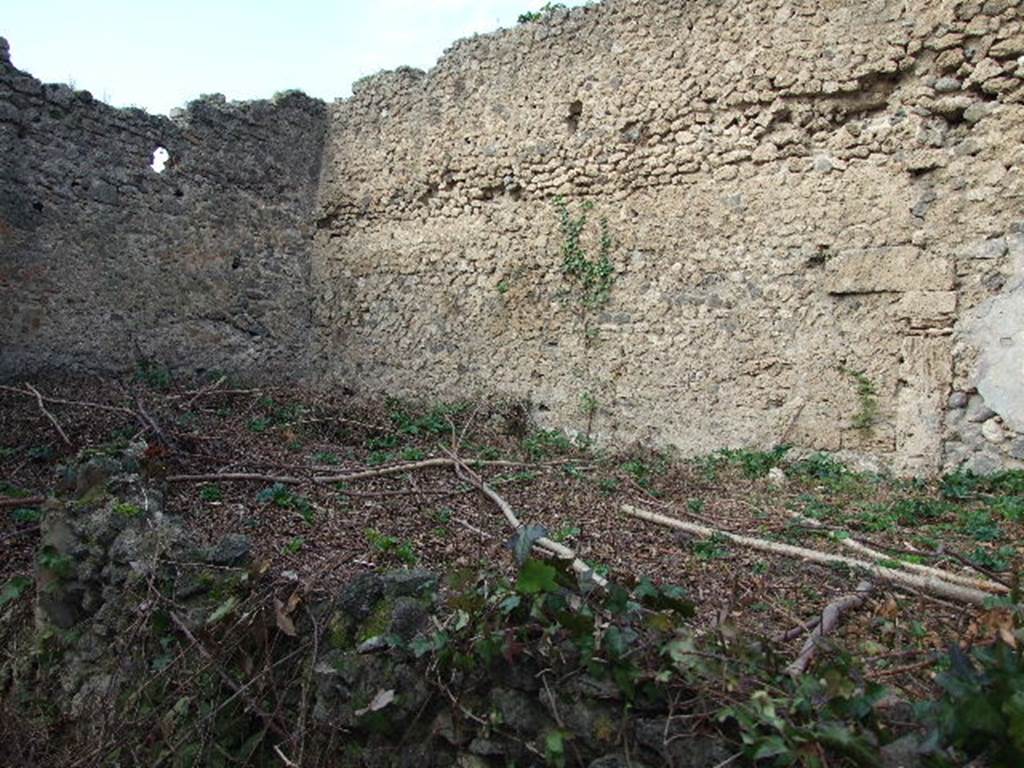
[[817, 209]]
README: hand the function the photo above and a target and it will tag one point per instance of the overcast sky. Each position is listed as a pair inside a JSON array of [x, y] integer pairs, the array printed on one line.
[[160, 55]]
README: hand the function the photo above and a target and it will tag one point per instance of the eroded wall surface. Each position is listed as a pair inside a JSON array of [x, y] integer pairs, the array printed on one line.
[[810, 201], [104, 262], [799, 192]]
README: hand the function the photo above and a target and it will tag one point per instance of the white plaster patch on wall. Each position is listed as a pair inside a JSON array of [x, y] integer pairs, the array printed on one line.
[[996, 329]]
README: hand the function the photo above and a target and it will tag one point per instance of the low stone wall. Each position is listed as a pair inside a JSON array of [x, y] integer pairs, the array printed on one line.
[[137, 622]]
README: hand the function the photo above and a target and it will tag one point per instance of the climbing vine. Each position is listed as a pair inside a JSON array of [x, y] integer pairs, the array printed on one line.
[[591, 279], [867, 398]]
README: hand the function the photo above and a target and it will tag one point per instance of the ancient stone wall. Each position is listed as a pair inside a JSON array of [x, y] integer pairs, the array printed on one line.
[[816, 209], [104, 261], [809, 200]]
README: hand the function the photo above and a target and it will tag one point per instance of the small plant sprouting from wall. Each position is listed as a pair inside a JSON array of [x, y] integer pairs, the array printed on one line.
[[589, 406], [526, 18], [867, 396]]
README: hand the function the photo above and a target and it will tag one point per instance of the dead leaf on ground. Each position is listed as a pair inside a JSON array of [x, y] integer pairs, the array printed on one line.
[[381, 700], [282, 614]]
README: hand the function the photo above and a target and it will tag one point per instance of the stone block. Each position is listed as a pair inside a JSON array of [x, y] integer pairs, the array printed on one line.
[[996, 328], [1009, 48], [993, 248], [925, 307], [926, 368], [977, 411], [895, 269]]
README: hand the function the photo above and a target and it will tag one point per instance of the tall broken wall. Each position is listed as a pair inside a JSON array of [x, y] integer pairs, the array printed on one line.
[[809, 200], [104, 261]]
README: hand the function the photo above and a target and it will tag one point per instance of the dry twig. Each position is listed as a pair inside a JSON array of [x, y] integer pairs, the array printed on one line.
[[394, 469], [48, 415], [828, 622], [150, 423], [268, 720], [61, 401], [235, 477], [204, 391], [27, 501], [956, 578]]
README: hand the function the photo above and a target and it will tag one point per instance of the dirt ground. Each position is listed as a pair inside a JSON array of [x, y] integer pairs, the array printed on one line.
[[429, 517]]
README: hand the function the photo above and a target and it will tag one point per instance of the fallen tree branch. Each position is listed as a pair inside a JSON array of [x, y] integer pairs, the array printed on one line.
[[932, 659], [470, 527], [895, 576], [977, 567], [648, 498], [48, 415], [61, 401], [800, 629], [27, 501], [437, 492], [148, 420], [874, 554], [553, 547], [236, 477], [387, 494], [394, 469], [284, 757], [205, 391], [828, 622]]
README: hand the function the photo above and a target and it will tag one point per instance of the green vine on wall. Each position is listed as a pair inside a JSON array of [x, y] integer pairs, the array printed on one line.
[[591, 278], [867, 397]]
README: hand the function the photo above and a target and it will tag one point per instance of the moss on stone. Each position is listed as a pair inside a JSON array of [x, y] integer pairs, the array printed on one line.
[[127, 509], [339, 631], [224, 584], [378, 622], [94, 497]]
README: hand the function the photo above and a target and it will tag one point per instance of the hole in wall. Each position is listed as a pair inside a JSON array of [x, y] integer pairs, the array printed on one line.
[[160, 159], [37, 207], [573, 119], [633, 132], [179, 193], [236, 261]]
